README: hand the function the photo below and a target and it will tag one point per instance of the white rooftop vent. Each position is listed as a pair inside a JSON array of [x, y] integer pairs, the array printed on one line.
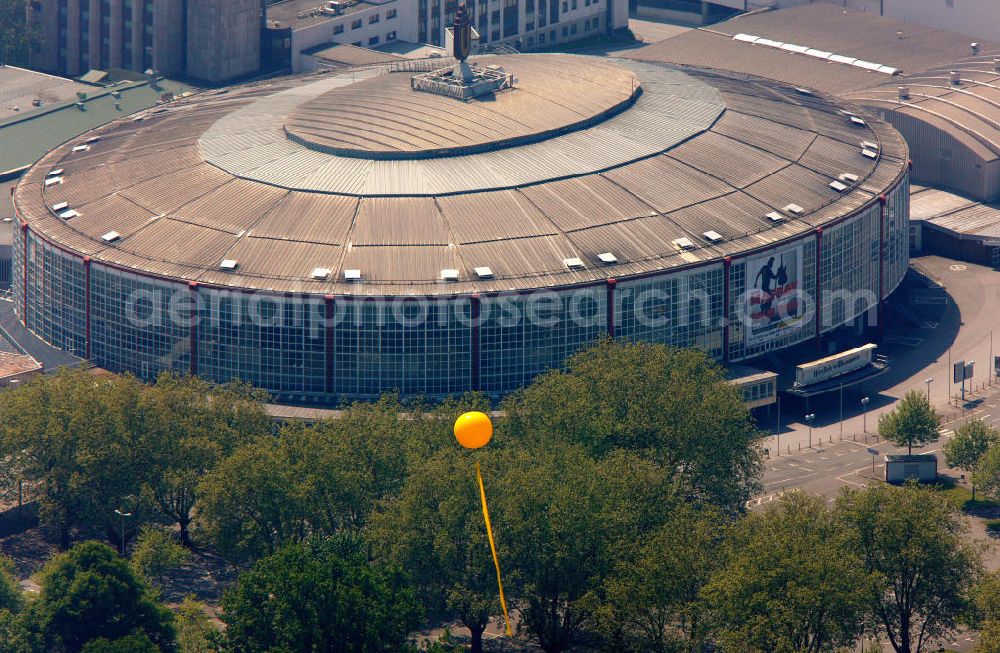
[[769, 43], [839, 58], [888, 70], [55, 173], [352, 275], [111, 236], [803, 91], [904, 92], [869, 154], [867, 65], [819, 54], [61, 206], [838, 186], [93, 139], [574, 263], [484, 272], [66, 215], [794, 208], [712, 236], [683, 243], [81, 148], [791, 47], [956, 77], [746, 38], [449, 274], [860, 122], [774, 216], [868, 145], [847, 113], [229, 264], [53, 181], [607, 258], [320, 273], [974, 47], [849, 177]]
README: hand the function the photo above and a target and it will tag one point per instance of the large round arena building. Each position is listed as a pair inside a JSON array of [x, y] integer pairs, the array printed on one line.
[[338, 236]]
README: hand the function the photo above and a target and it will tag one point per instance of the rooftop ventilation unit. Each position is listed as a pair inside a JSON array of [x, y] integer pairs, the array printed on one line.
[[956, 77], [320, 273], [228, 264], [849, 178], [803, 91], [352, 275], [868, 145], [712, 236], [869, 154], [996, 64], [574, 264], [904, 92], [111, 236], [61, 206], [81, 148], [53, 181], [819, 54], [93, 139], [683, 243], [484, 272], [66, 215], [794, 209], [838, 186], [449, 274], [607, 258], [974, 47], [55, 173], [860, 122], [774, 216]]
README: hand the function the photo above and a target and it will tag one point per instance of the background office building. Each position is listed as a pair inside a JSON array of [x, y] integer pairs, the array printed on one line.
[[210, 40]]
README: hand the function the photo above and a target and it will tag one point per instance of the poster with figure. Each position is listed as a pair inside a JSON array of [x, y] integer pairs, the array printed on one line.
[[774, 301]]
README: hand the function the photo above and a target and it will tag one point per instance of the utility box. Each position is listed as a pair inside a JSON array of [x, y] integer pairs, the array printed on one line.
[[918, 467]]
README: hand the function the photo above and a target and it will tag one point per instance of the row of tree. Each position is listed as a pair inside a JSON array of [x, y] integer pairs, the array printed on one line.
[[617, 489]]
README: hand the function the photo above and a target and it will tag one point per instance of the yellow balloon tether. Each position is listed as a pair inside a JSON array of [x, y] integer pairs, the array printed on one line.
[[493, 548]]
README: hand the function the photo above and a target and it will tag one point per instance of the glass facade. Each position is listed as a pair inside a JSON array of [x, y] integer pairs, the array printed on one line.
[[327, 349]]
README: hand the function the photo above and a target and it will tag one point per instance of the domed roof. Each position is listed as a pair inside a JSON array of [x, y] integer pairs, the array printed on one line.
[[302, 184]]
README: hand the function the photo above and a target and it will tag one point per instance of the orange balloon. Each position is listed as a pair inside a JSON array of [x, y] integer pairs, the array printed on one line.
[[473, 430]]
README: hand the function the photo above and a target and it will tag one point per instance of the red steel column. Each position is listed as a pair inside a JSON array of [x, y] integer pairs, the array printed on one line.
[[328, 302], [86, 295], [819, 284], [612, 283], [475, 362], [727, 264], [193, 286]]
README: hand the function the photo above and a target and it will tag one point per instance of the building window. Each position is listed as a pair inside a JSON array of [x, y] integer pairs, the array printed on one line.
[[356, 24], [541, 38], [389, 15], [374, 18], [338, 29], [531, 41], [373, 41], [565, 31], [573, 4], [358, 44], [565, 6], [391, 36], [572, 29], [529, 27]]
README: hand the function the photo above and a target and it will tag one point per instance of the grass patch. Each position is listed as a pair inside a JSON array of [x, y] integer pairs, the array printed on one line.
[[961, 496], [993, 526]]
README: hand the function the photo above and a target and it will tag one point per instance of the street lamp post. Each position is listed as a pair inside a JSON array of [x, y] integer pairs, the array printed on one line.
[[929, 381], [841, 412], [123, 515], [809, 420], [864, 412]]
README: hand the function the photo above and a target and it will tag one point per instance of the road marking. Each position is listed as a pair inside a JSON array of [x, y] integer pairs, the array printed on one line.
[[844, 480]]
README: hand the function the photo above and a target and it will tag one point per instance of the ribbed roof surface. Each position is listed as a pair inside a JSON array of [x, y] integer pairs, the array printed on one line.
[[737, 150]]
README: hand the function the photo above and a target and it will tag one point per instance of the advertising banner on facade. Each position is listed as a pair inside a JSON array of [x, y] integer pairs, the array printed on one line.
[[774, 301]]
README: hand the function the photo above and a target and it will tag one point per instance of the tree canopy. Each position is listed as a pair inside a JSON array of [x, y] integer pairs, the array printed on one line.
[[912, 423], [967, 448]]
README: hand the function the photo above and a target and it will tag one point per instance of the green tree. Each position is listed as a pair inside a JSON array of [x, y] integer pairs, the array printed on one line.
[[74, 436], [196, 633], [435, 531], [789, 583], [88, 593], [911, 540], [966, 449], [671, 404], [913, 422], [18, 36], [135, 643], [11, 597], [653, 597], [986, 613], [188, 426], [987, 473], [156, 553], [319, 595]]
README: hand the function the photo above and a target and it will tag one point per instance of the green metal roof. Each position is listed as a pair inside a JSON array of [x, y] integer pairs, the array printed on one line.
[[26, 137]]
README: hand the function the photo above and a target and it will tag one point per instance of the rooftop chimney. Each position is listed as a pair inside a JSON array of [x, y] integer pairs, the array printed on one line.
[[904, 92], [955, 78], [974, 47]]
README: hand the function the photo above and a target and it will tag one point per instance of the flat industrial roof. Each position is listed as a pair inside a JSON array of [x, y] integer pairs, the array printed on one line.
[[20, 89], [821, 28], [191, 184], [302, 13]]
